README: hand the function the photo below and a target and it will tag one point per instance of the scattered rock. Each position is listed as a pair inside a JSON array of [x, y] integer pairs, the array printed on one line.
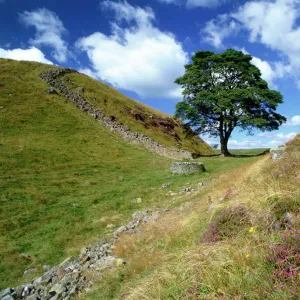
[[52, 90], [84, 259], [110, 226], [187, 167], [166, 185], [46, 267], [1, 106], [80, 90], [50, 76], [139, 215], [278, 152], [27, 256], [8, 297], [29, 271], [6, 292], [120, 230]]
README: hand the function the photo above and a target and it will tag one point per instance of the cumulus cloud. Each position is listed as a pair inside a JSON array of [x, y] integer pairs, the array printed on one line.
[[88, 72], [281, 137], [196, 3], [271, 23], [31, 54], [138, 57], [294, 121], [216, 30], [49, 31], [204, 3]]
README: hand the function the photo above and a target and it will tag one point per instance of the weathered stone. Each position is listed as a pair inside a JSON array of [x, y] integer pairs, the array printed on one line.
[[52, 90], [6, 292], [110, 226], [46, 267], [166, 185], [278, 152], [187, 167], [123, 131], [27, 289], [19, 290], [80, 89], [29, 271], [84, 259], [58, 289], [8, 297], [27, 256], [139, 215], [32, 297], [120, 230]]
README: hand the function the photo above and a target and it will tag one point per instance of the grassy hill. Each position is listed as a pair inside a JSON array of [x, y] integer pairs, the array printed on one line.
[[63, 178], [237, 239]]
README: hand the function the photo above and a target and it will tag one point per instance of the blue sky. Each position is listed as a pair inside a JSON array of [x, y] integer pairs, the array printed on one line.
[[141, 47]]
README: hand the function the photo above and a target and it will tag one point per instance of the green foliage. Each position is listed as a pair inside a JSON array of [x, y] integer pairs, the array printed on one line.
[[225, 91]]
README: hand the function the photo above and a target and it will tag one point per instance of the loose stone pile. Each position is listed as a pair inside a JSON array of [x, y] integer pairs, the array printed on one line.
[[67, 279], [278, 152], [187, 167], [50, 76]]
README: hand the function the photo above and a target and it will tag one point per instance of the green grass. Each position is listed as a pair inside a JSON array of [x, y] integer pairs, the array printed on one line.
[[63, 177], [247, 151], [113, 103]]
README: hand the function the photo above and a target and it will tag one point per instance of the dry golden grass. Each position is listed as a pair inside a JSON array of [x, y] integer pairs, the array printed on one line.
[[168, 260]]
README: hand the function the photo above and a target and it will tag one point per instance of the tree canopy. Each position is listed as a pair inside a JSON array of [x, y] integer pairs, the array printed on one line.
[[225, 91]]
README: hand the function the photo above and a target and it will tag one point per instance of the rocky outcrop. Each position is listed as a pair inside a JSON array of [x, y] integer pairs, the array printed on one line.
[[278, 152], [67, 279], [50, 76], [187, 167]]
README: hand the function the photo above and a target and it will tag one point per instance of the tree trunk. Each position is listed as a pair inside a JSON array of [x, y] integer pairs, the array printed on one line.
[[224, 149]]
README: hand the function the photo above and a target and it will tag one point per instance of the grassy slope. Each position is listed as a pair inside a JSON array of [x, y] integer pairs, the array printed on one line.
[[63, 177], [170, 260], [113, 103]]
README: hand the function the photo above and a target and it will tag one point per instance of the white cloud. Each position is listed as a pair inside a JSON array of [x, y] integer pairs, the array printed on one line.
[[49, 31], [216, 30], [281, 137], [196, 3], [139, 57], [204, 3], [88, 72], [294, 121], [274, 24], [268, 72], [31, 54], [170, 1]]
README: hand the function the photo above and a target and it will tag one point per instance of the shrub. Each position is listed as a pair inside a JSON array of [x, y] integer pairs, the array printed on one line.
[[228, 223], [285, 262]]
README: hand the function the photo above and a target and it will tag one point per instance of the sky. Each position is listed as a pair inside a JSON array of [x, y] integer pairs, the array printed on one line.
[[141, 47]]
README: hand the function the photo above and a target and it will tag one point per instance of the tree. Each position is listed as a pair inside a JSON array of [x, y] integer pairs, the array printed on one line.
[[225, 91]]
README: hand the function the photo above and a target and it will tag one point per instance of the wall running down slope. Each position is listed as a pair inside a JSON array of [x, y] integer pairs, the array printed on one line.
[[50, 76]]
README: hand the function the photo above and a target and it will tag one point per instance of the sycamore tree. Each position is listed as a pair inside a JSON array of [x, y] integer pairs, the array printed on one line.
[[225, 91]]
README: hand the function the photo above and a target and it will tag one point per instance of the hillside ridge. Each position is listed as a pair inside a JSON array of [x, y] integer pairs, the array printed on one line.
[[139, 139]]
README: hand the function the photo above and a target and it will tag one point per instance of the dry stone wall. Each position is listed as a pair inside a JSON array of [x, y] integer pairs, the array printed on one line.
[[50, 76], [67, 279]]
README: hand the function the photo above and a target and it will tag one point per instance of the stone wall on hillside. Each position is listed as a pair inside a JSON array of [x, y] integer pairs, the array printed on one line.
[[50, 76]]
